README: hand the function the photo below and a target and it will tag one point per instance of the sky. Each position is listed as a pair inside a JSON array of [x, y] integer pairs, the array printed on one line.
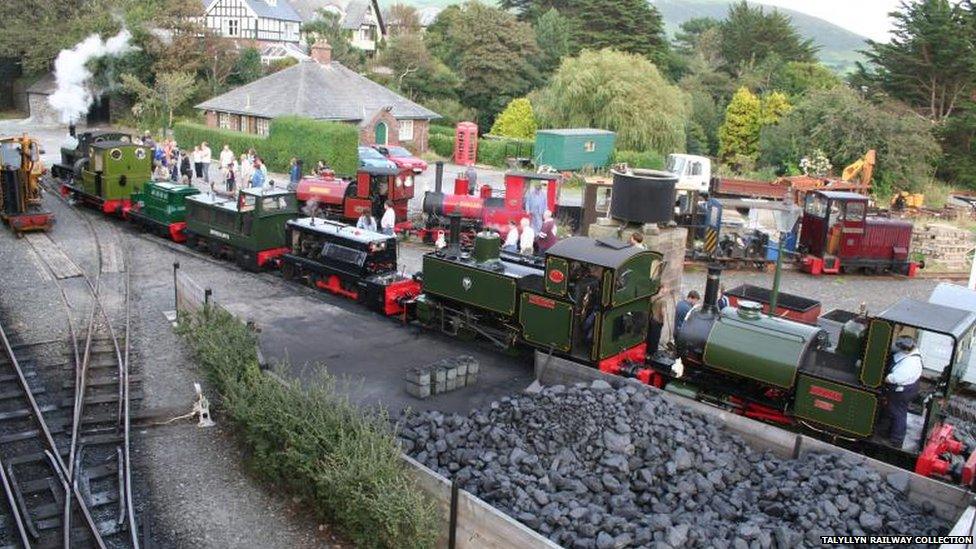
[[865, 17]]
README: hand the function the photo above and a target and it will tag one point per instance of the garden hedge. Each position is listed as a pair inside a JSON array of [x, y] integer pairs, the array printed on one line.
[[650, 160], [311, 140], [342, 461]]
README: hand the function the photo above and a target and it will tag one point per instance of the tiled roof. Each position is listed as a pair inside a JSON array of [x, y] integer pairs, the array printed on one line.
[[353, 11], [276, 9], [323, 92]]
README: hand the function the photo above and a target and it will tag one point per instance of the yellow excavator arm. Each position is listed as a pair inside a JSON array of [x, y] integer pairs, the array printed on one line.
[[862, 169]]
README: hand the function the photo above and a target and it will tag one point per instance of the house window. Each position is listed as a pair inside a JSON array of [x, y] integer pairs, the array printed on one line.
[[262, 126], [233, 27], [406, 130], [589, 146], [223, 120]]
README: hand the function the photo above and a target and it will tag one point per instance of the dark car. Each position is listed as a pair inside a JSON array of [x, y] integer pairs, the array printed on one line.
[[403, 158]]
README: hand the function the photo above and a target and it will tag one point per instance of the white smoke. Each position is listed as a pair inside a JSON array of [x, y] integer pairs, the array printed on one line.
[[73, 96]]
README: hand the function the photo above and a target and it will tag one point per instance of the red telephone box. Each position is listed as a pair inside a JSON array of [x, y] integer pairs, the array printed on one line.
[[466, 143]]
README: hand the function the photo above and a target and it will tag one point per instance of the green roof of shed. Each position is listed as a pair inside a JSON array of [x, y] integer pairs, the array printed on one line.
[[577, 131]]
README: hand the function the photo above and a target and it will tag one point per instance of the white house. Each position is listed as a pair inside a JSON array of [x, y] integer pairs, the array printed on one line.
[[265, 21], [362, 18]]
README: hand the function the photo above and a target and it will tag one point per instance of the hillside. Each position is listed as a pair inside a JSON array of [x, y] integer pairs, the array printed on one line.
[[838, 45]]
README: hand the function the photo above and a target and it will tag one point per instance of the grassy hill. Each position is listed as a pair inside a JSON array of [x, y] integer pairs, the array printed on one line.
[[838, 46]]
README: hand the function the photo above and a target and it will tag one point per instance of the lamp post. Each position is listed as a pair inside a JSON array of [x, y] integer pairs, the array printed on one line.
[[786, 220]]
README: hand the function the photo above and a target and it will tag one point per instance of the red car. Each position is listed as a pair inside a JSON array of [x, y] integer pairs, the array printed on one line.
[[403, 158]]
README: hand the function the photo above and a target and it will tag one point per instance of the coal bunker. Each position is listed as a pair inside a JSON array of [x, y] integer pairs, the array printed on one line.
[[592, 466]]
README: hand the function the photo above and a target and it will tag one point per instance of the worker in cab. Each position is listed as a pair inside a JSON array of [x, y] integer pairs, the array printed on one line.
[[901, 387]]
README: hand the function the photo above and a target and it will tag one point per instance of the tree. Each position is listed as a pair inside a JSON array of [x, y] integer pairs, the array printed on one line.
[[633, 26], [328, 26], [739, 135], [490, 50], [517, 120], [554, 34], [247, 68], [415, 72], [690, 34], [157, 103], [617, 91], [749, 35], [844, 126], [930, 62], [775, 106], [402, 19], [797, 78]]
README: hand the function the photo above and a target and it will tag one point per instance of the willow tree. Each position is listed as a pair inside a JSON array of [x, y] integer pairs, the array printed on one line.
[[616, 91]]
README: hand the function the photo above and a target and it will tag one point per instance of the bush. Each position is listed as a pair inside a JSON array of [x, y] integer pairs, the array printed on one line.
[[648, 160], [517, 120], [311, 439], [442, 144], [491, 151], [310, 140], [438, 129]]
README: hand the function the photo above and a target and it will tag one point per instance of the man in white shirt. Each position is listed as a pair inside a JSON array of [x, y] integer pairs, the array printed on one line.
[[388, 221], [226, 157], [511, 238], [901, 386], [527, 238], [206, 157]]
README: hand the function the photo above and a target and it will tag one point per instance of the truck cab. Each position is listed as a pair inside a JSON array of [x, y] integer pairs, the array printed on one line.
[[694, 172]]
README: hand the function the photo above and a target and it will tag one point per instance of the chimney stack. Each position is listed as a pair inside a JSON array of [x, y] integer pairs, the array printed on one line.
[[322, 52]]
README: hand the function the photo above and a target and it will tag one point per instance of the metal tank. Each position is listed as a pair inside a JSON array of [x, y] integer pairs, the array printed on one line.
[[643, 196]]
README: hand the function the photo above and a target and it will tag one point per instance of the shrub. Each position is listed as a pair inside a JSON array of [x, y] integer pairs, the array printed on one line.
[[649, 160], [313, 440], [310, 140], [491, 151], [442, 144], [439, 129], [517, 120]]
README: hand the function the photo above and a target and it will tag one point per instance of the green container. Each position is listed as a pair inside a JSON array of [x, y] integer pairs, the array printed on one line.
[[573, 149], [163, 202], [468, 284], [776, 347], [487, 247], [115, 168], [835, 405]]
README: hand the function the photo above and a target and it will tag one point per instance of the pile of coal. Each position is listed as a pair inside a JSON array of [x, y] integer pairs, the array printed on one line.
[[592, 466]]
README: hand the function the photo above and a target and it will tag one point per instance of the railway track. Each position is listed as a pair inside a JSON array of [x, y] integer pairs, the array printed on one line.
[[86, 411]]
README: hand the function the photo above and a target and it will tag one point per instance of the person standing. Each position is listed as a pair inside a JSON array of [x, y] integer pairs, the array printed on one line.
[[186, 168], [547, 237], [722, 301], [197, 163], [511, 238], [226, 156], [901, 387], [536, 204], [366, 222], [294, 174], [257, 176], [206, 157], [230, 180], [388, 221], [471, 175], [527, 238], [684, 307], [247, 167]]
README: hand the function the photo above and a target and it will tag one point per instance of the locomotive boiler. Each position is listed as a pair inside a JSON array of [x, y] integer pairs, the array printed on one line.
[[484, 210], [342, 199]]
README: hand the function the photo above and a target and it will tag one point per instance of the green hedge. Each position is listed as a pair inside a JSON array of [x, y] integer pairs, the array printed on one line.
[[344, 462], [491, 152], [311, 140], [437, 129], [443, 145], [650, 160]]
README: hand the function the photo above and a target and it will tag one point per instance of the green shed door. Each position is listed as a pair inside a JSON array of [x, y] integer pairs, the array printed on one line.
[[381, 132], [546, 322]]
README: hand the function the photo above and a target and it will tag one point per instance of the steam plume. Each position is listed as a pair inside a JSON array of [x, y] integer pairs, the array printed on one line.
[[72, 97]]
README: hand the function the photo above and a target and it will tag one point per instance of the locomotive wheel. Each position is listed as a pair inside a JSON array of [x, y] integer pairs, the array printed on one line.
[[288, 271]]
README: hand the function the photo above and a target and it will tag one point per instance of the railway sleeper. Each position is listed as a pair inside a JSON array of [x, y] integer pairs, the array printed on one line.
[[17, 414], [112, 398]]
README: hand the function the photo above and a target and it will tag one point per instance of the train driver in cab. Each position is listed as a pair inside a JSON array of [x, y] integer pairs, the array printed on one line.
[[901, 386]]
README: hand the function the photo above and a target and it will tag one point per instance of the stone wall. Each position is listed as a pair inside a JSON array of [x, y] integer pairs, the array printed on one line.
[[41, 112]]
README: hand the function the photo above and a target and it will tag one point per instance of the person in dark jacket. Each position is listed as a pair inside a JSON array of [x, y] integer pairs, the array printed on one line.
[[547, 237], [684, 307]]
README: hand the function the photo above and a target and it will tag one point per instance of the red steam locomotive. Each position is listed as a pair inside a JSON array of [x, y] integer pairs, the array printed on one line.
[[338, 198]]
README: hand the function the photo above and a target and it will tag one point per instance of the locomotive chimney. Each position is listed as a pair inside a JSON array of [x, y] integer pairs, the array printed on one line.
[[710, 303], [71, 130], [438, 176]]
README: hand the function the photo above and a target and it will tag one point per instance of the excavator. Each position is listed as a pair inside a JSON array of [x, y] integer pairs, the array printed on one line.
[[862, 169], [21, 170]]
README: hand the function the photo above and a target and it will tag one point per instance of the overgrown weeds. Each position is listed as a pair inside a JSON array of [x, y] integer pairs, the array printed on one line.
[[311, 439]]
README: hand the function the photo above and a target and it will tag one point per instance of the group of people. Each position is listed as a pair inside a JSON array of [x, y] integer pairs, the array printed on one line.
[[171, 163], [387, 224], [526, 239]]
